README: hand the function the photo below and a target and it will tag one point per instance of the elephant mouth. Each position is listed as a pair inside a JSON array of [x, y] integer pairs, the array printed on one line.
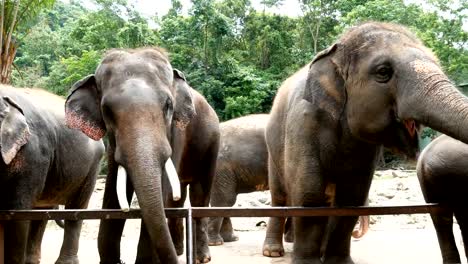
[[403, 138], [412, 127]]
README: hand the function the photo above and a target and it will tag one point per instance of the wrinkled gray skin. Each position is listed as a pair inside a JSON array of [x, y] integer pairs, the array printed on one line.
[[329, 121], [43, 164], [443, 175], [150, 114], [242, 168]]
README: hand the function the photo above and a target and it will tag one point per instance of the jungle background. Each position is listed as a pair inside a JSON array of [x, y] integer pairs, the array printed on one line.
[[235, 55]]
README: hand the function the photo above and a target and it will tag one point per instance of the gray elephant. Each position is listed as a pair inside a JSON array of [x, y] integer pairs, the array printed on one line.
[[242, 168], [157, 125], [372, 88], [43, 164], [442, 170]]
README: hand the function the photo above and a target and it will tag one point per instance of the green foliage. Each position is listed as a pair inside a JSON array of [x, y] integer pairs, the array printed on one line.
[[69, 70], [69, 41], [428, 132]]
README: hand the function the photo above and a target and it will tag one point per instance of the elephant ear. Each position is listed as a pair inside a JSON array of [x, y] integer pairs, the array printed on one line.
[[184, 106], [325, 85], [14, 130], [82, 108], [324, 53]]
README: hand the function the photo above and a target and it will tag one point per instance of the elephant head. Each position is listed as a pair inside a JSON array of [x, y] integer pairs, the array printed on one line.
[[14, 130], [386, 84], [136, 97]]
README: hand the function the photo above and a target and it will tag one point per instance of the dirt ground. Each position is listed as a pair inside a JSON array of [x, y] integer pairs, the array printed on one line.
[[391, 239]]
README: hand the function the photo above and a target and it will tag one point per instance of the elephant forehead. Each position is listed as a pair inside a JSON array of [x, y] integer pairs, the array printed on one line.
[[136, 68]]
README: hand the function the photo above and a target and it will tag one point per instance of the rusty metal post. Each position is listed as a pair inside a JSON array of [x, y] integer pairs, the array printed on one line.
[[2, 244], [189, 237]]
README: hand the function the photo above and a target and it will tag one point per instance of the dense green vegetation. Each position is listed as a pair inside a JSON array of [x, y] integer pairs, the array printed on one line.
[[235, 55]]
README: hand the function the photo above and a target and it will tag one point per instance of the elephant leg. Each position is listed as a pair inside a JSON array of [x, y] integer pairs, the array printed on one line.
[[199, 197], [72, 229], [309, 231], [16, 232], [462, 219], [223, 194], [273, 244], [200, 190], [288, 230], [227, 232], [443, 224], [16, 235], [110, 231], [176, 225], [71, 240], [351, 191], [36, 232]]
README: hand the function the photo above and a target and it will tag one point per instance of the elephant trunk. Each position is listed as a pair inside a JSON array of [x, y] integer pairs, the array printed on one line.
[[144, 166], [434, 101], [122, 184]]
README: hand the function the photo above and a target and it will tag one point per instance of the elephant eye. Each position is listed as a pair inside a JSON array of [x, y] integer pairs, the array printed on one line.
[[383, 73], [168, 109]]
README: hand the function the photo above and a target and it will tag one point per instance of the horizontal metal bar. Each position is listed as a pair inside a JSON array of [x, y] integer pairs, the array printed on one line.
[[82, 214], [221, 211], [315, 211]]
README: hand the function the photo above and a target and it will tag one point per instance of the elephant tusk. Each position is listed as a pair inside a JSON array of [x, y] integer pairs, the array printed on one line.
[[122, 189], [173, 179]]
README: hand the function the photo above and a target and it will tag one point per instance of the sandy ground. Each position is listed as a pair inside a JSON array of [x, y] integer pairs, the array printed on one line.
[[391, 239]]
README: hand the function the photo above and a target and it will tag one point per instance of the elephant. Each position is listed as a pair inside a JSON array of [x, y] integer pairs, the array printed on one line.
[[43, 164], [374, 87], [242, 168], [443, 176], [157, 126]]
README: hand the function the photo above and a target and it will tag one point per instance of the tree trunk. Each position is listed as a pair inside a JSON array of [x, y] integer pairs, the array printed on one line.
[[7, 63], [2, 19], [8, 53]]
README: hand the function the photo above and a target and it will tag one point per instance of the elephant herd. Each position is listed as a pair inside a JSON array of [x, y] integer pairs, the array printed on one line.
[[375, 87]]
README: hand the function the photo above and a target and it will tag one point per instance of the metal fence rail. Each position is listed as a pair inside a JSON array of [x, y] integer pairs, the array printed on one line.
[[197, 212]]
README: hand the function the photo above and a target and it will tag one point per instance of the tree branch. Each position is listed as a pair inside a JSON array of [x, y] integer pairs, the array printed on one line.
[[1, 28]]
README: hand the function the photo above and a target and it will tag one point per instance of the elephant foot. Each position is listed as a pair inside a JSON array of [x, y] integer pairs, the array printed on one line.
[[273, 250], [229, 237], [203, 253], [338, 260], [68, 260], [215, 240], [204, 260]]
